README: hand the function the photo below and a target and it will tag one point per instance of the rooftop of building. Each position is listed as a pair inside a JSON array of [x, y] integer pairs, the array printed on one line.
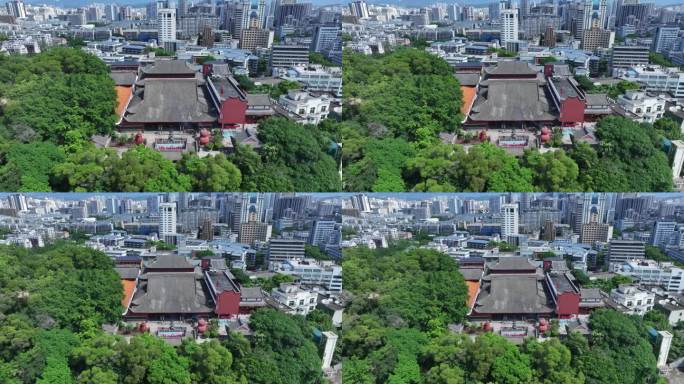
[[512, 294], [511, 68], [171, 100], [168, 67], [511, 100], [170, 292], [514, 263]]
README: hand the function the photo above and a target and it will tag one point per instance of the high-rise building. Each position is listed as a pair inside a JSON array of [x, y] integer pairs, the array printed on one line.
[[596, 232], [251, 207], [455, 205], [208, 36], [509, 26], [595, 38], [153, 203], [253, 231], [253, 38], [359, 9], [111, 12], [16, 8], [662, 232], [18, 201], [167, 220], [206, 230], [291, 14], [634, 14], [665, 39], [112, 205], [182, 8], [325, 38], [290, 206], [361, 203], [321, 231], [511, 220], [166, 25]]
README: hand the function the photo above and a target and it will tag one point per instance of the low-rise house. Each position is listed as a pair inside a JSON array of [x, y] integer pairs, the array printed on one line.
[[300, 301], [313, 109], [641, 107], [632, 300]]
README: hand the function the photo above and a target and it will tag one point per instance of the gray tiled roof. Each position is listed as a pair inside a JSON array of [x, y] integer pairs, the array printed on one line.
[[171, 262], [511, 100], [170, 100], [512, 68], [468, 79], [125, 78], [170, 292], [513, 294], [168, 67]]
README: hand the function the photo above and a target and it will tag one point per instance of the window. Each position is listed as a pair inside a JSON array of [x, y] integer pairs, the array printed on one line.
[[311, 300], [291, 304], [638, 110], [302, 111], [323, 108], [301, 302], [659, 108], [312, 110]]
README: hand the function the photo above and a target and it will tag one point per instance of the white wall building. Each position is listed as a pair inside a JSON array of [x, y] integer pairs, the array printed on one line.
[[166, 25], [312, 272], [167, 220], [635, 301], [511, 222], [312, 108], [301, 301], [317, 78], [655, 78], [653, 274], [509, 25], [642, 107]]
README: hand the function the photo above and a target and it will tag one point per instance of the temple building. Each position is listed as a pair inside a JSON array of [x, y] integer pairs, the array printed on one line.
[[169, 94], [511, 95], [173, 288]]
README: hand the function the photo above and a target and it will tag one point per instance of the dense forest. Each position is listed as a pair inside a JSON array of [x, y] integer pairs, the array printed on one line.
[[404, 299], [54, 300], [396, 105], [52, 103]]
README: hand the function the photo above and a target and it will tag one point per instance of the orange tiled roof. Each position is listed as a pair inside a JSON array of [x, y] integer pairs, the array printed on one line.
[[122, 96], [128, 287], [468, 98], [473, 287]]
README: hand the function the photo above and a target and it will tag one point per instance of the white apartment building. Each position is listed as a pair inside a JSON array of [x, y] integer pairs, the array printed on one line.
[[300, 301], [509, 25], [312, 108], [312, 272], [317, 78], [642, 107], [655, 78], [653, 274], [511, 221], [166, 25], [167, 220], [634, 300]]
